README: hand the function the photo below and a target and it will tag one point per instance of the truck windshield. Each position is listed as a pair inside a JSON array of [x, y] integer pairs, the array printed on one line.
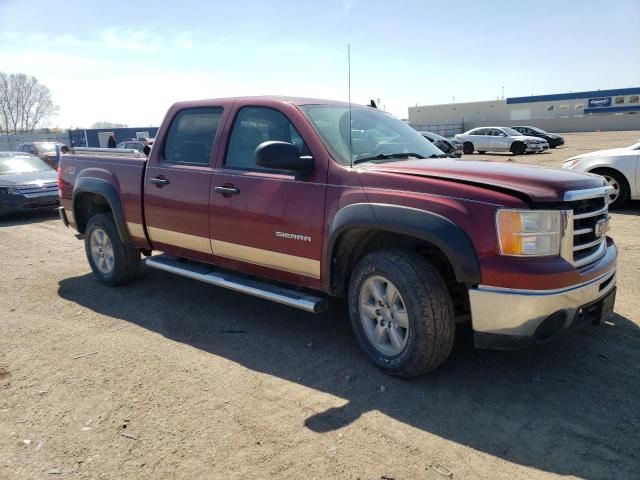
[[375, 136]]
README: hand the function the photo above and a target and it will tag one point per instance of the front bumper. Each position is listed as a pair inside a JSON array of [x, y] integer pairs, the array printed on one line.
[[507, 318], [537, 147], [21, 203]]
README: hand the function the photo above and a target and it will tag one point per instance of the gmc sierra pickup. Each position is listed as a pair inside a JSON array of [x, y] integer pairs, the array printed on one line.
[[294, 200]]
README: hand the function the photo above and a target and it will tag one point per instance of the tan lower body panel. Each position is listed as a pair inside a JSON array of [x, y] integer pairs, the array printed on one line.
[[178, 239], [135, 230], [267, 258], [234, 251]]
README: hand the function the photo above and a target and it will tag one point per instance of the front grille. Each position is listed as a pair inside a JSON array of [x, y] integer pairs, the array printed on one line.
[[589, 240], [33, 189]]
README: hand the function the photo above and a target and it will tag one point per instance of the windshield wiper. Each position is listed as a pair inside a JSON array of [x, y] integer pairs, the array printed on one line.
[[440, 155], [388, 156]]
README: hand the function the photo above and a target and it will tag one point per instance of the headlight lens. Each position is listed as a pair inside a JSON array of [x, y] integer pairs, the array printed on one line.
[[7, 191], [529, 233]]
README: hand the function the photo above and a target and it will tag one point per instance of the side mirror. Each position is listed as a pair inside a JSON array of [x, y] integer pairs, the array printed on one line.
[[146, 150], [283, 156]]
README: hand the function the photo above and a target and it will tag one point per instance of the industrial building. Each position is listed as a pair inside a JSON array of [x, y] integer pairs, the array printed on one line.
[[604, 110]]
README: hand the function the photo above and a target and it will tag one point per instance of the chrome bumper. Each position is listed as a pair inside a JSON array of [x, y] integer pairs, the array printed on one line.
[[521, 313]]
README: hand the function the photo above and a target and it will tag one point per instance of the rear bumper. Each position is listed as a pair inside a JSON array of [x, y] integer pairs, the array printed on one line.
[[508, 318], [63, 216]]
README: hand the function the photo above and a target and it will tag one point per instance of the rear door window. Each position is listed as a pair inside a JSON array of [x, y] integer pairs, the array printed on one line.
[[191, 136]]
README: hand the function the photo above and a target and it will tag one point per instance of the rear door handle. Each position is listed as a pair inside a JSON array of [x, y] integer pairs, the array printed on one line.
[[227, 191], [159, 181]]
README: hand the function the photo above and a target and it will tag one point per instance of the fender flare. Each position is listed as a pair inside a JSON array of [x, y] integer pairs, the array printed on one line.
[[441, 232], [106, 190]]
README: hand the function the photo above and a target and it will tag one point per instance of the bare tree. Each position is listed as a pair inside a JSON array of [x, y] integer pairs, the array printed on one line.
[[104, 124], [24, 103]]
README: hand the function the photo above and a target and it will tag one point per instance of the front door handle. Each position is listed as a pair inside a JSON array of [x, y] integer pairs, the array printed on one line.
[[227, 191], [159, 181]]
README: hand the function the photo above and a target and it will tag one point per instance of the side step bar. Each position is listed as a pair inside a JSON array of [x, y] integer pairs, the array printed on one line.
[[208, 274]]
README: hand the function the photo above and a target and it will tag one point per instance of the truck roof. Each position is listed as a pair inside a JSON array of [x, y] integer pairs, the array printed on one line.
[[262, 100]]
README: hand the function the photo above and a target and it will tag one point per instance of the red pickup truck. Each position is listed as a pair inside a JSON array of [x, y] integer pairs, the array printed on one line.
[[296, 200]]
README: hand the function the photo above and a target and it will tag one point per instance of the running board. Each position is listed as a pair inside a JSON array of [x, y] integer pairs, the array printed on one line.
[[261, 289]]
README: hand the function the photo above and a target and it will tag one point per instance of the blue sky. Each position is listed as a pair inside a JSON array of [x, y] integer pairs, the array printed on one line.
[[124, 61]]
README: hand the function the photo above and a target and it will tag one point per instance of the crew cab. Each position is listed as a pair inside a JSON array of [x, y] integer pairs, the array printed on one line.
[[279, 198]]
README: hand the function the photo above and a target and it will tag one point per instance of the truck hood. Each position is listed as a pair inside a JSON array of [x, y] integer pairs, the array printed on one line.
[[15, 179], [529, 182]]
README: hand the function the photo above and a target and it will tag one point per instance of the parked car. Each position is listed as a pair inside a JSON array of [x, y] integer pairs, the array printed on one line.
[[553, 139], [26, 183], [448, 146], [44, 150], [290, 206], [500, 139], [620, 167], [135, 144]]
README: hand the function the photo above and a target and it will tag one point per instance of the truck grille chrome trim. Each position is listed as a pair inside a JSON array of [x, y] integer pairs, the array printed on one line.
[[584, 238], [574, 195]]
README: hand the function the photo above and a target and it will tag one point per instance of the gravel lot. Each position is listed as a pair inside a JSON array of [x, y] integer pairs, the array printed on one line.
[[170, 378]]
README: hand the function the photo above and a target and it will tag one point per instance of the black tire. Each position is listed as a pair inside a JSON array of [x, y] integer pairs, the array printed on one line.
[[468, 148], [518, 148], [427, 303], [619, 179], [126, 259], [482, 152]]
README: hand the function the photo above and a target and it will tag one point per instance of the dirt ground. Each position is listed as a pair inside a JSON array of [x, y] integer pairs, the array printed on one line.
[[168, 378]]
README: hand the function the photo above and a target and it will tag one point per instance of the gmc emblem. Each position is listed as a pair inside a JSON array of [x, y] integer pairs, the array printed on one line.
[[601, 227]]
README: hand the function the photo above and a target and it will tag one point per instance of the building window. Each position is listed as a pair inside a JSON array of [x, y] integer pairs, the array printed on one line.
[[619, 100], [578, 106], [634, 99], [551, 108], [564, 108]]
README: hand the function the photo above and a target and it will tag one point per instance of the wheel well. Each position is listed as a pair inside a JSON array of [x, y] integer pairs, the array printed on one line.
[[604, 170], [355, 244], [86, 205]]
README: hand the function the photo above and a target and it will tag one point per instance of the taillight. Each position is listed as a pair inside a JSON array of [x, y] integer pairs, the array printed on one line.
[[59, 180]]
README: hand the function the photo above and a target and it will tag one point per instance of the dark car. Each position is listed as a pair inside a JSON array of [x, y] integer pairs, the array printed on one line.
[[26, 183], [553, 139], [43, 150], [448, 146]]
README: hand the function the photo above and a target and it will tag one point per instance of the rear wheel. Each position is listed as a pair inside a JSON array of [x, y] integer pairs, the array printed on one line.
[[112, 262], [401, 312], [468, 148], [518, 148], [620, 186]]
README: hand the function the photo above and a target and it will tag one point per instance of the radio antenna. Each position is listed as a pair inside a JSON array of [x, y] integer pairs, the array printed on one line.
[[350, 139]]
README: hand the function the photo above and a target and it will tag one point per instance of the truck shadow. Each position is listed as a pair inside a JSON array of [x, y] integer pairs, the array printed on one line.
[[569, 407]]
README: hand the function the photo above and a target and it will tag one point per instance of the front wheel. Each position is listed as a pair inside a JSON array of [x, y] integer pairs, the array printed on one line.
[[112, 262], [620, 186], [467, 148], [401, 312], [518, 148]]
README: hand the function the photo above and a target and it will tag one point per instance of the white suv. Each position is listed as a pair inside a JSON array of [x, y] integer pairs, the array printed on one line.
[[500, 139]]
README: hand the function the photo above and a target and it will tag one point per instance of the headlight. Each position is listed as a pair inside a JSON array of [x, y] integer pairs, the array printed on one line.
[[529, 233], [571, 163], [7, 191]]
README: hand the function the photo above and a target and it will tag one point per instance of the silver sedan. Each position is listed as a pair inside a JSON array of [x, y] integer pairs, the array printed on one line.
[[500, 139]]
